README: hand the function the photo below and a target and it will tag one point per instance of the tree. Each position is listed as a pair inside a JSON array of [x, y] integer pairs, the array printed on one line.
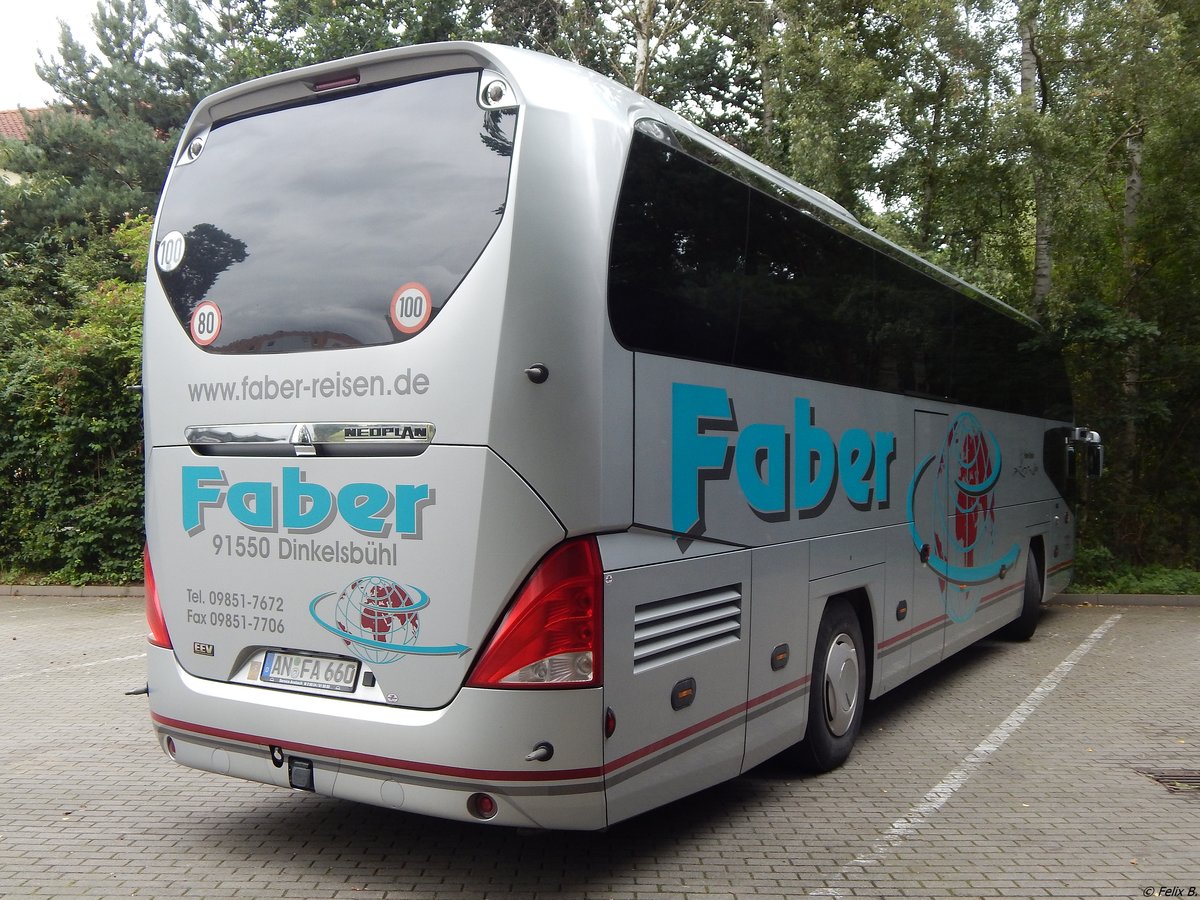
[[533, 24], [80, 172], [826, 80], [1124, 222]]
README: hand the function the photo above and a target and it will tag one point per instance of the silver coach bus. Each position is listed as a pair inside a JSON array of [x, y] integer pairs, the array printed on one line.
[[519, 452]]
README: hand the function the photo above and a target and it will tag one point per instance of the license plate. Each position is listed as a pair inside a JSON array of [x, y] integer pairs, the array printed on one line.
[[327, 673]]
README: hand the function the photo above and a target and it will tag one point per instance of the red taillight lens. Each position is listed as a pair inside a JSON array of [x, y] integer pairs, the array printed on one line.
[[550, 636], [154, 618]]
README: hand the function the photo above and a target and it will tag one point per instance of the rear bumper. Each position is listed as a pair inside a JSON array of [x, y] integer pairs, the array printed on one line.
[[422, 761]]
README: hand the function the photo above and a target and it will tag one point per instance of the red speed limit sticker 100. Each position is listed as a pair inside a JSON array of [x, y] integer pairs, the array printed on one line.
[[411, 308], [206, 323]]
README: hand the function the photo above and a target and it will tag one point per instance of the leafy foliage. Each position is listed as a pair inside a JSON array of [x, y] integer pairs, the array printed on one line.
[[80, 173], [71, 467], [1100, 572]]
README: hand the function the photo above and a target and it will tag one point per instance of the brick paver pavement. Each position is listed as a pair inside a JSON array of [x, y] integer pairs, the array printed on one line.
[[984, 778]]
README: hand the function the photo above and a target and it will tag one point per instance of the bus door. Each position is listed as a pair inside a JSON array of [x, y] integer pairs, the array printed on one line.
[[928, 523]]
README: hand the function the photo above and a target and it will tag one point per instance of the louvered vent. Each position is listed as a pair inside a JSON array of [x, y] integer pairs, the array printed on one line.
[[667, 630]]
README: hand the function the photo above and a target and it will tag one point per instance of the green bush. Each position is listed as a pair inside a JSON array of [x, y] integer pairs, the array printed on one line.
[[1100, 572], [71, 467]]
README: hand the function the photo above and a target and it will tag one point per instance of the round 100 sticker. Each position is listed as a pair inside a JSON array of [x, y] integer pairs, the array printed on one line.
[[411, 308], [206, 323], [170, 251]]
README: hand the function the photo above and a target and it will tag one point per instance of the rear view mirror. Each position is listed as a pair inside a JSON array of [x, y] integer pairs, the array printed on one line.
[[1095, 460], [1086, 444]]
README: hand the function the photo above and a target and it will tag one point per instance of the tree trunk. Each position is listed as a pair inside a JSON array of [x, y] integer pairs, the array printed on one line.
[[933, 159], [1028, 28], [768, 18], [1031, 80], [643, 25], [1134, 145]]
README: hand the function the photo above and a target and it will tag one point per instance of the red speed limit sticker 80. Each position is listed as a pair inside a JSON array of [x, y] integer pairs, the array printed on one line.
[[411, 308], [206, 323]]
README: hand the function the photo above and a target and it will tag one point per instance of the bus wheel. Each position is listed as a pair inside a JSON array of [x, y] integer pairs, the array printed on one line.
[[837, 692], [1023, 627]]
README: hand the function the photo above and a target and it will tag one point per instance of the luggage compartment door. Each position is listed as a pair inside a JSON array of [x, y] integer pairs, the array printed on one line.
[[676, 643]]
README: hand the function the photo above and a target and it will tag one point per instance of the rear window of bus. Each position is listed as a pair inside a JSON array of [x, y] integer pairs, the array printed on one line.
[[346, 222]]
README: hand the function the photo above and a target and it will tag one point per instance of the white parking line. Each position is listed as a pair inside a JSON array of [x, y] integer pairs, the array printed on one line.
[[86, 665], [918, 815]]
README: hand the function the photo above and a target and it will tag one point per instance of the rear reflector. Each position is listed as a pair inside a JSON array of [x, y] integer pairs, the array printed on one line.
[[154, 618], [550, 636], [482, 806]]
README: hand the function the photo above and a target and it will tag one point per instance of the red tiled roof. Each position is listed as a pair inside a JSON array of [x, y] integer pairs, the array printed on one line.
[[12, 124]]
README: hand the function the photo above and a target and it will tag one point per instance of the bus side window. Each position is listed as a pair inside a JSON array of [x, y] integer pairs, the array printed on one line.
[[677, 255], [807, 289]]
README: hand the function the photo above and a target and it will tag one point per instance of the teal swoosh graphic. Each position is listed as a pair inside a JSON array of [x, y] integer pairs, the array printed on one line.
[[412, 649], [955, 574]]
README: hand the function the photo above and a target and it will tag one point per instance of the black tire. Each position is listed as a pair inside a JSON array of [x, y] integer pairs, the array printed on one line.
[[1023, 627], [837, 692]]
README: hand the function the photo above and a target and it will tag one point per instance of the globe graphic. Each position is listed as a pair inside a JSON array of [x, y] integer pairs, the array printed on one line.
[[966, 474], [372, 609]]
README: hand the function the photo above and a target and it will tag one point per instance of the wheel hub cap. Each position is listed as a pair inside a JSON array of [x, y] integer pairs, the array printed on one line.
[[841, 684]]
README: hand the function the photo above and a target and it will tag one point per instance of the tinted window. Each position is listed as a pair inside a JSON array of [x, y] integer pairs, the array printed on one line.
[[806, 287], [302, 224], [678, 254], [912, 328], [822, 305], [1001, 364], [705, 267]]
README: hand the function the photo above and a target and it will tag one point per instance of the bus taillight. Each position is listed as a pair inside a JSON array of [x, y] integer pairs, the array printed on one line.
[[551, 634], [154, 618]]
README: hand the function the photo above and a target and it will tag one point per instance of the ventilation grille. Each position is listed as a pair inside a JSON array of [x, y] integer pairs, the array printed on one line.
[[1177, 781], [667, 630]]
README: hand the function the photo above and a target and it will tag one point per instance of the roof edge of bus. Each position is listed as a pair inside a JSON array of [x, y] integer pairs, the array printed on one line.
[[806, 194], [224, 104], [827, 205], [284, 87]]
